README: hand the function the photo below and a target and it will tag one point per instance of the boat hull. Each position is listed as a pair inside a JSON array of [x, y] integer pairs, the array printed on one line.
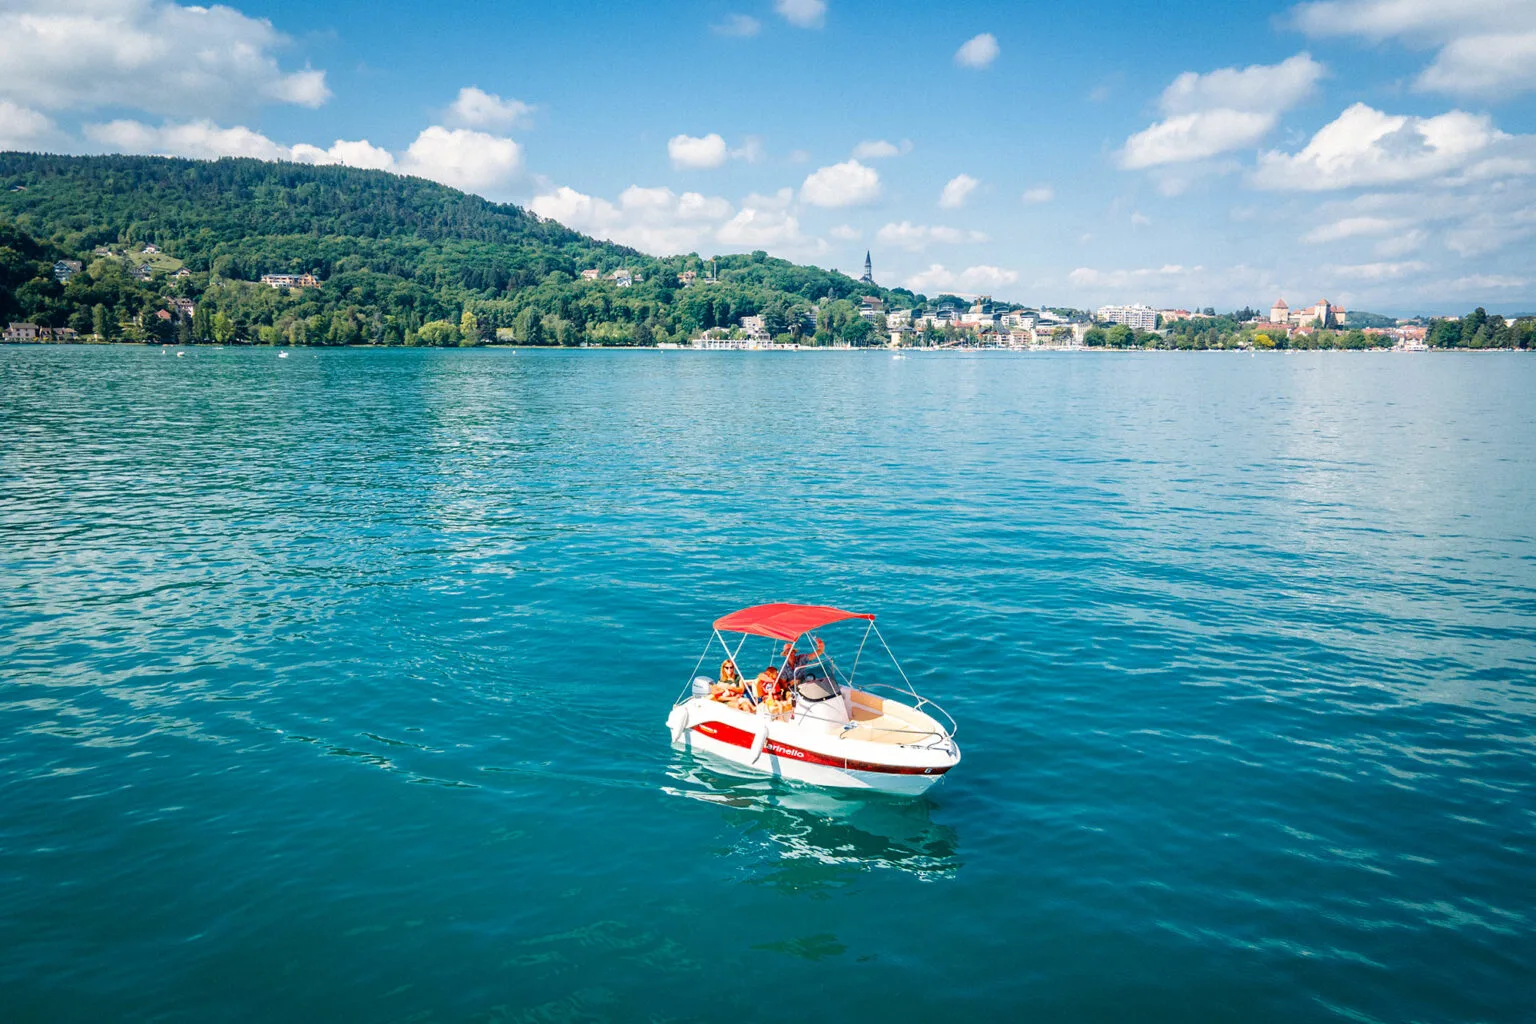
[[792, 751]]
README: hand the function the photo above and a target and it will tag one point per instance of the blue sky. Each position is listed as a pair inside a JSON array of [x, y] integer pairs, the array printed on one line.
[[1381, 153]]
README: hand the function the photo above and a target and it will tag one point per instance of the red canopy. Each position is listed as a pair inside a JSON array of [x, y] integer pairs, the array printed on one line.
[[785, 621]]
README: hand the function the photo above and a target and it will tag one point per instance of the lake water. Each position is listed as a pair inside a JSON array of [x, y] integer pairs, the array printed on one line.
[[333, 686]]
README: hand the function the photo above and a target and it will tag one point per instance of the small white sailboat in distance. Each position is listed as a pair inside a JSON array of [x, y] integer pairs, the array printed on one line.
[[282, 355]]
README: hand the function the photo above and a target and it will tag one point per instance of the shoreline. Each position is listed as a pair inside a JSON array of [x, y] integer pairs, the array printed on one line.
[[1076, 350]]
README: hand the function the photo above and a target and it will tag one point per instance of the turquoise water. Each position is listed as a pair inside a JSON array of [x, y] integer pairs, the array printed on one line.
[[334, 686]]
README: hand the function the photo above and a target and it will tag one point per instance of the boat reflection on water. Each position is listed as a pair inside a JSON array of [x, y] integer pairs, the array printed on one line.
[[813, 838]]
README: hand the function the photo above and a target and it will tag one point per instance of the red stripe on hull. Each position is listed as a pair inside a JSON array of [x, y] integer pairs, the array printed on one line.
[[741, 738]]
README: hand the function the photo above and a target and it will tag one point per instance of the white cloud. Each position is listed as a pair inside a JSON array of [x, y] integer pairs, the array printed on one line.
[[697, 153], [1364, 146], [1483, 66], [1482, 282], [1140, 220], [1194, 137], [977, 51], [804, 13], [151, 54], [659, 221], [879, 149], [762, 223], [1088, 277], [738, 25], [204, 140], [25, 129], [476, 108], [956, 191], [688, 152], [849, 183], [1485, 46], [1351, 227], [917, 237], [655, 220], [1219, 111], [970, 281], [200, 140], [1039, 194], [1376, 271], [361, 153], [846, 233], [464, 159]]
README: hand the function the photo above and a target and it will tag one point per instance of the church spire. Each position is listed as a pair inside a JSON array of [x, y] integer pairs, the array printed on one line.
[[869, 269]]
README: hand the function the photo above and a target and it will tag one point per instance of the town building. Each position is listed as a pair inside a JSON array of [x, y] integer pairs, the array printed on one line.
[[622, 278], [290, 280], [1137, 317], [591, 274], [182, 273], [687, 277], [26, 333], [182, 307], [1320, 313], [63, 270]]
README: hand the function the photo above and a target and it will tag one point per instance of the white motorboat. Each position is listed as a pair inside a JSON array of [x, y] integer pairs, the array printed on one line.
[[803, 718]]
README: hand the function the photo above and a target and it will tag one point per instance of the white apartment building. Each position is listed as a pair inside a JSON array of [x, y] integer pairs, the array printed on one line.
[[1137, 317]]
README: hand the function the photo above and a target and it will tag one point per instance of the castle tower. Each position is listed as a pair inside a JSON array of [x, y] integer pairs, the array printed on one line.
[[869, 270]]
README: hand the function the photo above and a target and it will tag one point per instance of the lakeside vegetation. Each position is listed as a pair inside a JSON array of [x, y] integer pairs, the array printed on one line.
[[401, 261], [174, 250]]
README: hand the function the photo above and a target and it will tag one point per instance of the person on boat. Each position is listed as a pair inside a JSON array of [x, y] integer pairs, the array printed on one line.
[[730, 687]]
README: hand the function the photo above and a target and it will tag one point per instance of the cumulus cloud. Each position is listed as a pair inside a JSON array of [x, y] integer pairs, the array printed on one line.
[[360, 153], [1485, 48], [804, 13], [25, 129], [698, 153], [917, 237], [1219, 111], [849, 183], [956, 191], [879, 149], [1364, 146], [655, 220], [464, 159], [205, 140], [763, 222], [970, 281], [659, 221], [476, 108], [689, 152], [738, 25], [157, 56], [977, 51], [1039, 194], [846, 233]]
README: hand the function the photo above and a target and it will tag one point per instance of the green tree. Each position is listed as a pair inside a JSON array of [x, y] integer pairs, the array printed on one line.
[[223, 329], [101, 323], [469, 329]]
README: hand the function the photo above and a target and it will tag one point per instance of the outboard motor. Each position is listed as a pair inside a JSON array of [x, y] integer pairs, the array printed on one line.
[[701, 685]]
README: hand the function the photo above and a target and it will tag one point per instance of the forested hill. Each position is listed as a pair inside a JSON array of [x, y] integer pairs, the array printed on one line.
[[400, 260]]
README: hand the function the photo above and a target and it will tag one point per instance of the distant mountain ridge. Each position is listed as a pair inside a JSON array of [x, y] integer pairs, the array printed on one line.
[[393, 254]]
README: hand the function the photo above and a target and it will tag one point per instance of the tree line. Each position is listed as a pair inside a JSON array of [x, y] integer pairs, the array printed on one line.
[[402, 261]]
